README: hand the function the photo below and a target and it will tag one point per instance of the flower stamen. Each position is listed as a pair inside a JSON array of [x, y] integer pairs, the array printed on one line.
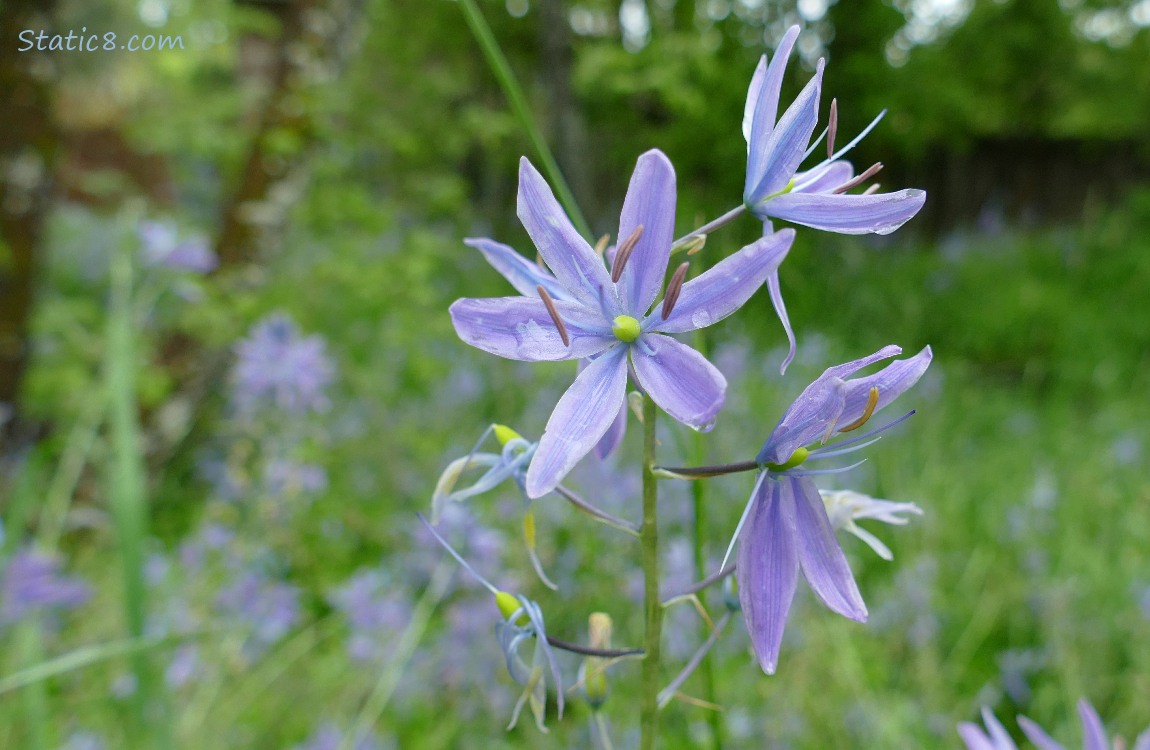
[[554, 313], [673, 289], [872, 189], [871, 403], [601, 245], [871, 172], [626, 247], [832, 128]]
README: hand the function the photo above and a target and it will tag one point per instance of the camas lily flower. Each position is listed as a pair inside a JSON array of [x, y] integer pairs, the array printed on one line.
[[995, 736], [816, 197], [785, 526], [606, 315], [522, 622]]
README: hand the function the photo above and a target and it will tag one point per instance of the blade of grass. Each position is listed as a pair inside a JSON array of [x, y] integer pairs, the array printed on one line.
[[388, 681], [128, 497], [497, 61], [77, 449], [80, 658], [37, 719]]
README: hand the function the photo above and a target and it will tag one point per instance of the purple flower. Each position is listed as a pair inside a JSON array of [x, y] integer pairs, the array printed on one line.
[[31, 581], [276, 363], [605, 316], [995, 736], [162, 247], [816, 197], [785, 526]]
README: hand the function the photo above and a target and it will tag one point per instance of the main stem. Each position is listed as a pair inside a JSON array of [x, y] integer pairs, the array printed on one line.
[[652, 607]]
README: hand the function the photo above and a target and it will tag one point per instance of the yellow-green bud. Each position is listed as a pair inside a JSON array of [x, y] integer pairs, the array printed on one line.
[[626, 328], [509, 605], [505, 434], [595, 667]]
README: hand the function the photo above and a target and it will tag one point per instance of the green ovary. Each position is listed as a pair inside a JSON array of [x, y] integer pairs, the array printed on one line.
[[795, 460], [625, 328]]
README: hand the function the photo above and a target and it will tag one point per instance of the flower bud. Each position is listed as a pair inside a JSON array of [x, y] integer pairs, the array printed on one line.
[[594, 668], [505, 434]]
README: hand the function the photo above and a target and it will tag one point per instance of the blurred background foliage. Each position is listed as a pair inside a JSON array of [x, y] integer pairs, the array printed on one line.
[[333, 153]]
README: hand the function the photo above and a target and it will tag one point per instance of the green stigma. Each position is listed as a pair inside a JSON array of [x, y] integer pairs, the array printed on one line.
[[505, 434], [625, 328], [796, 459]]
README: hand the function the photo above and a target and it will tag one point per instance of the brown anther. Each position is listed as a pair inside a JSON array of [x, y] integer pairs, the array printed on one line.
[[871, 403], [550, 305], [601, 245], [673, 288], [832, 128], [872, 189], [871, 172], [623, 252]]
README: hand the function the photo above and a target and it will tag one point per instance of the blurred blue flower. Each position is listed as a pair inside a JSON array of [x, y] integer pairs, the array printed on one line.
[[31, 581], [375, 611], [786, 523], [329, 737], [285, 477], [606, 318], [269, 609], [276, 365], [161, 246], [995, 736]]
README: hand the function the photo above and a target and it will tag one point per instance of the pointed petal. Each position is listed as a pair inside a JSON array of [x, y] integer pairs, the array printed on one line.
[[650, 203], [822, 559], [824, 178], [679, 379], [847, 369], [521, 328], [762, 105], [776, 294], [891, 381], [1093, 733], [724, 288], [768, 570], [753, 92], [1037, 736], [774, 158], [880, 213], [614, 434], [523, 274], [973, 737], [575, 264], [445, 491], [998, 734], [580, 418]]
